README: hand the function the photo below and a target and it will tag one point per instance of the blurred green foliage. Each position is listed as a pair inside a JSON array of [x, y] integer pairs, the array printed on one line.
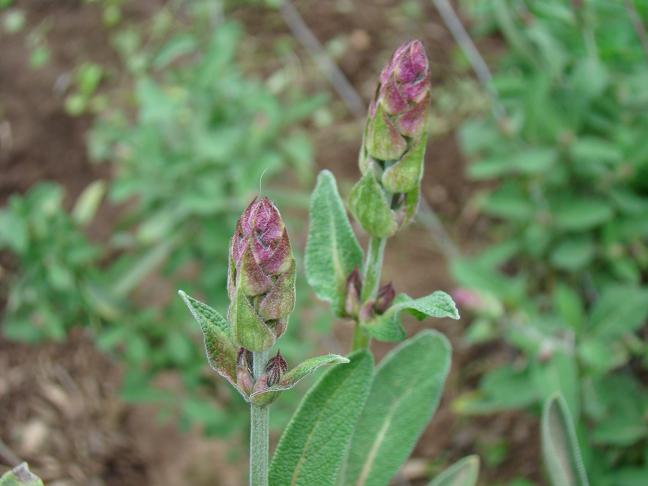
[[564, 282], [189, 137]]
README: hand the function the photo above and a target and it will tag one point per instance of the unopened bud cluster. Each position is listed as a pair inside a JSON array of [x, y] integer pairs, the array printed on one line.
[[261, 287], [391, 158], [261, 282]]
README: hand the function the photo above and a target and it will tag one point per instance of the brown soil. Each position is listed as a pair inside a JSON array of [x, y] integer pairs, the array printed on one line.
[[60, 405]]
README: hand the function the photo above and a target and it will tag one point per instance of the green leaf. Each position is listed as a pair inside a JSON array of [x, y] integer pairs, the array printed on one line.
[[300, 372], [405, 393], [508, 202], [388, 327], [221, 351], [312, 448], [619, 310], [20, 476], [369, 205], [573, 254], [581, 214], [529, 161], [332, 250], [559, 445], [462, 473]]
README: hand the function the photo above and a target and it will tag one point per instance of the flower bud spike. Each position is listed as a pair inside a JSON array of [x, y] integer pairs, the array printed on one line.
[[386, 295], [275, 368], [261, 280], [394, 142]]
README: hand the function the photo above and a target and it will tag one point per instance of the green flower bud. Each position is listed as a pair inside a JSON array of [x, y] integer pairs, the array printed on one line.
[[261, 281], [393, 148]]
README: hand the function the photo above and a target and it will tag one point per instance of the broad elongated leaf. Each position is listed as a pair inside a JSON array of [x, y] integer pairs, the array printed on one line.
[[462, 473], [404, 395], [388, 327], [559, 445], [20, 476], [295, 375], [332, 250], [312, 448], [221, 351]]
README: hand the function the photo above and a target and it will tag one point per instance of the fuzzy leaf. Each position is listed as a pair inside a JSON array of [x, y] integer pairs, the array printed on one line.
[[221, 351], [20, 476], [332, 250], [462, 473], [312, 448], [404, 395], [559, 445], [388, 326]]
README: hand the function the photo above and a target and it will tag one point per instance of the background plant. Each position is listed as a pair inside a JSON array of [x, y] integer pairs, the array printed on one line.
[[563, 281], [189, 136]]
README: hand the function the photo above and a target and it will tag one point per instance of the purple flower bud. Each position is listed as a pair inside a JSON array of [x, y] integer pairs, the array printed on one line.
[[275, 368], [354, 290], [386, 295], [261, 282], [394, 142], [404, 87]]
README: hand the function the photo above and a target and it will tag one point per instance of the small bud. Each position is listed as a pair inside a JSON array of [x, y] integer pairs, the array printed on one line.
[[261, 281], [386, 295], [275, 368], [354, 290], [244, 377]]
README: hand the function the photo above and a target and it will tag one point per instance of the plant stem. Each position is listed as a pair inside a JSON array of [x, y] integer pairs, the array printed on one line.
[[373, 268], [259, 434], [360, 338], [370, 285]]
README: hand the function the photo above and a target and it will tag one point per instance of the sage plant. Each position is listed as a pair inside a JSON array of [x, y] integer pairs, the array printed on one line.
[[383, 201], [261, 288], [358, 424]]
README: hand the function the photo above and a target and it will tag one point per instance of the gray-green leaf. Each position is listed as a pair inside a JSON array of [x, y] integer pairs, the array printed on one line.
[[221, 351], [462, 473], [332, 250], [312, 448], [405, 393], [559, 445], [20, 476], [388, 326]]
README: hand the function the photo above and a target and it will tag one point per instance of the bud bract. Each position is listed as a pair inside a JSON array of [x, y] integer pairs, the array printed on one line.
[[244, 378], [354, 291], [393, 151], [275, 368], [386, 295], [261, 281]]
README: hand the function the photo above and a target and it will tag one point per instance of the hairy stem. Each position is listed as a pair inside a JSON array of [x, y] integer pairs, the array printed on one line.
[[259, 434], [370, 285], [373, 268]]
